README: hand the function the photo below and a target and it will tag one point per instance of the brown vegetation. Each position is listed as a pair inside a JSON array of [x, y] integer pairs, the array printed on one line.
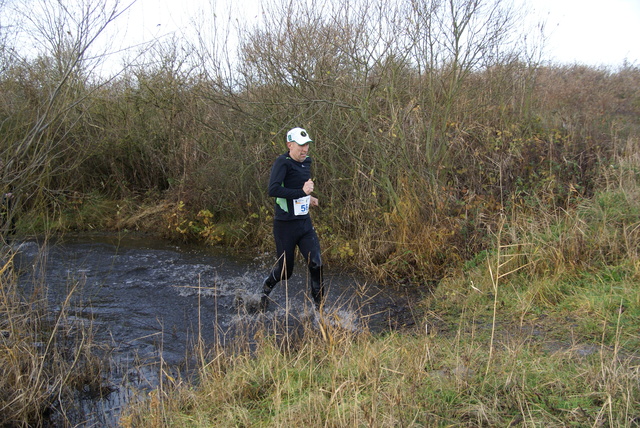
[[418, 153], [47, 358], [438, 141]]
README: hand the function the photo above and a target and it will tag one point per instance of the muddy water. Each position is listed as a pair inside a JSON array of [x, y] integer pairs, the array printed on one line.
[[151, 300]]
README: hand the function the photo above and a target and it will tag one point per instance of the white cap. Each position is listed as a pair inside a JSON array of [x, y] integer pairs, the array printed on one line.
[[299, 136]]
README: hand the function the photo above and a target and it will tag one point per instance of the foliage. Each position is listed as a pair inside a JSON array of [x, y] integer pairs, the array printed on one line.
[[418, 151], [444, 156]]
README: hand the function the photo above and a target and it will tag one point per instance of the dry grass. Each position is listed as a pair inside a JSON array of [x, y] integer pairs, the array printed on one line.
[[46, 358], [337, 378]]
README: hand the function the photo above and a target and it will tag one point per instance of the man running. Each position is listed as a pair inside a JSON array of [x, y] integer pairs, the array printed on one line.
[[291, 186]]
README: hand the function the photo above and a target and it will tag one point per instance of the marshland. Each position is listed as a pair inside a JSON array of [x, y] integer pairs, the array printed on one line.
[[496, 193]]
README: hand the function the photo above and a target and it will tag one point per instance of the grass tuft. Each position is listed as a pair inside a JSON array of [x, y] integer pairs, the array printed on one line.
[[47, 359]]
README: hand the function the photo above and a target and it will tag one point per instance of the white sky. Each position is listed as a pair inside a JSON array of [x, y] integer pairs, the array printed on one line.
[[591, 32]]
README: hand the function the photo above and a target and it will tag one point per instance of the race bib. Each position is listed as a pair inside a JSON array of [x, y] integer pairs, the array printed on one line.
[[301, 205]]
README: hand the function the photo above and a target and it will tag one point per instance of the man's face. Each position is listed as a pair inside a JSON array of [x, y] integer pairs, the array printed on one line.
[[297, 152]]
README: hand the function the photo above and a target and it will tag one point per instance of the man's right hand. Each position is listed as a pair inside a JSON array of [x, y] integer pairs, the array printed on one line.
[[308, 187]]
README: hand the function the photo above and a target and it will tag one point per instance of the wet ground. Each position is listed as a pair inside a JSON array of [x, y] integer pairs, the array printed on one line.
[[151, 301]]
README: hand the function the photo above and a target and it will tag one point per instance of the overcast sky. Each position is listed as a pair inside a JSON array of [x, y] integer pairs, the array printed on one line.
[[592, 32]]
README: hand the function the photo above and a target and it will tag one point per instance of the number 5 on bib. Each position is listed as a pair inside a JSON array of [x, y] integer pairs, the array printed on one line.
[[301, 205]]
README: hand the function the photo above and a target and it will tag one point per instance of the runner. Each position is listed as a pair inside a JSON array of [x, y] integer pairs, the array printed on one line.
[[291, 186]]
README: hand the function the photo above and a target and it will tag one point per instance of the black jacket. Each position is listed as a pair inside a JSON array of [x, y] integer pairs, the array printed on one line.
[[285, 184]]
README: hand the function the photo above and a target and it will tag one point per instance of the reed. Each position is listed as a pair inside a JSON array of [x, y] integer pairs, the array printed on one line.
[[48, 359]]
